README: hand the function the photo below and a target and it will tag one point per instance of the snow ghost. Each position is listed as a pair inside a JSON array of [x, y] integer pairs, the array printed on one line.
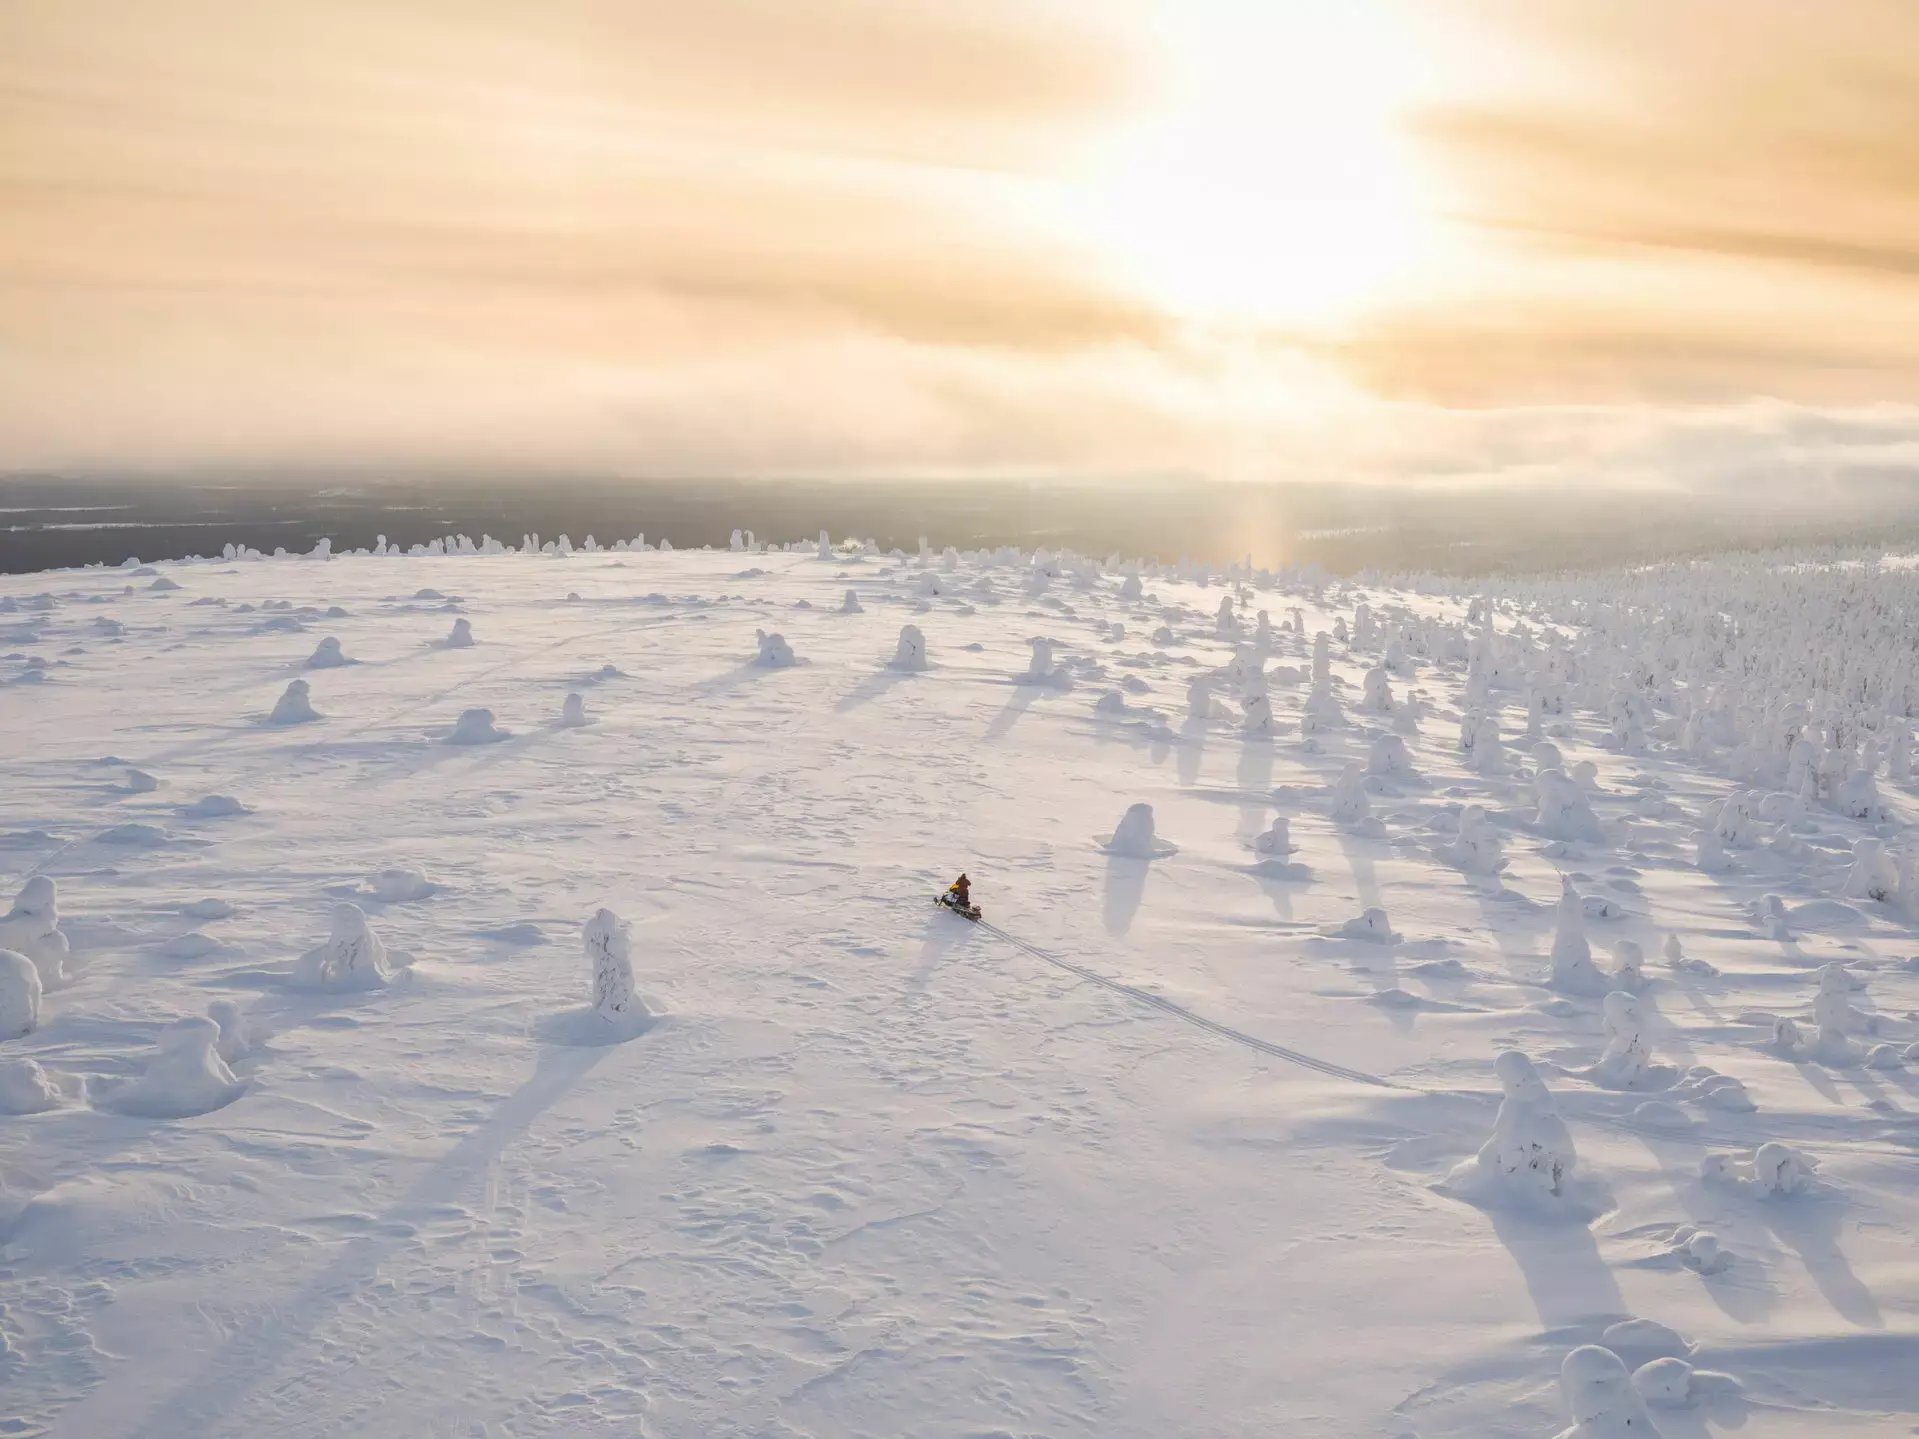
[[1349, 803], [608, 944], [461, 635], [353, 958], [1530, 1151], [1563, 813], [1377, 697], [1388, 756], [1227, 623], [911, 654], [1857, 796], [1259, 715], [1129, 588], [851, 604], [1780, 1169], [1476, 849], [1479, 737], [573, 711], [1199, 697], [1873, 875], [1042, 670], [32, 928], [294, 706], [1629, 972], [1573, 969], [1135, 838], [774, 651], [20, 992], [1625, 1060], [1278, 838], [1835, 1017], [327, 655]]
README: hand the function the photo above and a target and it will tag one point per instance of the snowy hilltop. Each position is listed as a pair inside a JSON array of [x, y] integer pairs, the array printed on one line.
[[490, 987]]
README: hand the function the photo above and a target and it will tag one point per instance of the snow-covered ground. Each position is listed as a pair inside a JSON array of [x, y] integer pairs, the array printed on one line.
[[526, 1015]]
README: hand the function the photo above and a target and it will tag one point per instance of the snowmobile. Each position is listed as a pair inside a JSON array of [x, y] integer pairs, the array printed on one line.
[[959, 899], [964, 911]]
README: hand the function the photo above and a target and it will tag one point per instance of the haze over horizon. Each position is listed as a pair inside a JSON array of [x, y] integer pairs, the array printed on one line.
[[1569, 244]]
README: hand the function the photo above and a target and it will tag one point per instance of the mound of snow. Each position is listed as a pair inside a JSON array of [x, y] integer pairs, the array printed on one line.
[[400, 886], [1775, 1169], [235, 1037], [1369, 927], [294, 706], [133, 836], [214, 806], [475, 726], [353, 958], [1600, 1397], [20, 992], [573, 711], [186, 1075], [327, 655], [460, 637], [1135, 837], [774, 651], [851, 604], [25, 1088]]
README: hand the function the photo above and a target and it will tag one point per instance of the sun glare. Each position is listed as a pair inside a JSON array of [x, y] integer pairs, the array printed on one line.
[[1268, 185]]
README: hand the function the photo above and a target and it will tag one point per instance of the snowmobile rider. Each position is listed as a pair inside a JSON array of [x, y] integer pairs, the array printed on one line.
[[961, 892]]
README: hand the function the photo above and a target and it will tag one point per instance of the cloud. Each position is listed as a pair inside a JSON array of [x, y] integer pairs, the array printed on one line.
[[762, 237], [1693, 203]]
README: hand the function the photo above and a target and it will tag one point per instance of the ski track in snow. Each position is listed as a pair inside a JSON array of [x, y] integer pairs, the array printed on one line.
[[864, 1172], [1253, 1042]]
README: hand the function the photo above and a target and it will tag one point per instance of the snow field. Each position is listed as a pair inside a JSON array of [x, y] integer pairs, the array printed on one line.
[[870, 1170]]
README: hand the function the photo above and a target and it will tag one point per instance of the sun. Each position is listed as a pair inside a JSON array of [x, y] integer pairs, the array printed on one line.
[[1269, 183]]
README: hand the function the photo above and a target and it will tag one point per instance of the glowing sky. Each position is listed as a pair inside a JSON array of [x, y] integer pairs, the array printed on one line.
[[1560, 240]]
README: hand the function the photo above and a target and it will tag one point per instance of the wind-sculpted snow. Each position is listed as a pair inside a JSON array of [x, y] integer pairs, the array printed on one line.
[[508, 964]]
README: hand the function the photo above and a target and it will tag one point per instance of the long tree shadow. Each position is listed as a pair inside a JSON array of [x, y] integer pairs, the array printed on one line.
[[251, 1358], [871, 688], [1809, 1225], [1009, 715], [1125, 887], [1254, 777], [1570, 1285], [1192, 749]]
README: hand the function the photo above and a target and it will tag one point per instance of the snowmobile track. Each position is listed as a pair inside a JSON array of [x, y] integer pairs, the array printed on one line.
[[1225, 1031]]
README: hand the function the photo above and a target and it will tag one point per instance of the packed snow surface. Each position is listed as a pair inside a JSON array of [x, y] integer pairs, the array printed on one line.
[[669, 1106]]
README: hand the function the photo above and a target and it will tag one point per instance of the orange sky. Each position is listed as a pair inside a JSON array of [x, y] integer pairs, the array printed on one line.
[[1563, 240]]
